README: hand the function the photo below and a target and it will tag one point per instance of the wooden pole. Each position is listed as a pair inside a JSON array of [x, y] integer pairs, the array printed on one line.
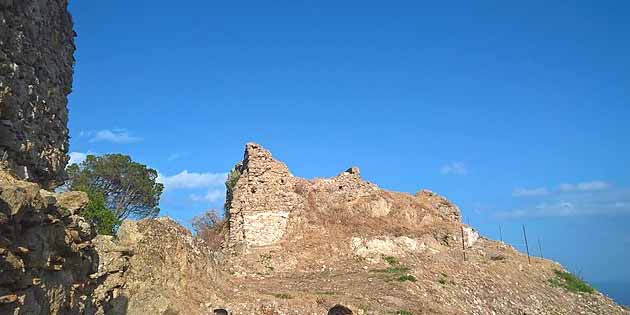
[[500, 233], [540, 249], [529, 260], [463, 244]]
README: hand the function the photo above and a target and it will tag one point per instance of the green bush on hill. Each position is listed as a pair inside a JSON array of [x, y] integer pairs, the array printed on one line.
[[570, 282]]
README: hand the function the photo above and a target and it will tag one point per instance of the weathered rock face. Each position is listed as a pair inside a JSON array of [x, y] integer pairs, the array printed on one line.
[[36, 60], [441, 203], [46, 257], [155, 266]]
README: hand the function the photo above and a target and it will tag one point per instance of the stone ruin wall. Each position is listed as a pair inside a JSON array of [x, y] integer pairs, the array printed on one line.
[[262, 199], [266, 197], [36, 61]]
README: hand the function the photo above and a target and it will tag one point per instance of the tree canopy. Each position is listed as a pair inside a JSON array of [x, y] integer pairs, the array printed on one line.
[[129, 188]]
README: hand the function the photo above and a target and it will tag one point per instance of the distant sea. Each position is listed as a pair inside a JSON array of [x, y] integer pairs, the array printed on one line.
[[618, 291]]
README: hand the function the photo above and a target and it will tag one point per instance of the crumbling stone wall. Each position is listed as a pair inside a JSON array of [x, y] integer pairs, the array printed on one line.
[[36, 61], [262, 199], [267, 200]]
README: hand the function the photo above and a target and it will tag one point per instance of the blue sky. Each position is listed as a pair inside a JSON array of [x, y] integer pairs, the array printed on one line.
[[517, 112]]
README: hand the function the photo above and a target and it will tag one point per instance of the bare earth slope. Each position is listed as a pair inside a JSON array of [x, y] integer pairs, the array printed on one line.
[[296, 246]]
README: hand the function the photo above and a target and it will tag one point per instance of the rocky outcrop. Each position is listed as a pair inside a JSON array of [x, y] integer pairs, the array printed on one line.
[[46, 257], [36, 60], [441, 204], [155, 266]]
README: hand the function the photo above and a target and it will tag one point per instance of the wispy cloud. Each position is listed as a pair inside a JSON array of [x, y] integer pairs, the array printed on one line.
[[454, 168], [77, 157], [192, 180], [581, 203], [530, 192], [585, 186], [211, 196], [114, 136]]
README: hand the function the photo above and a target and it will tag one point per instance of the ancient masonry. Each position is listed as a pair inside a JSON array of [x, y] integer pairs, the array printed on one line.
[[266, 196], [36, 61], [262, 199]]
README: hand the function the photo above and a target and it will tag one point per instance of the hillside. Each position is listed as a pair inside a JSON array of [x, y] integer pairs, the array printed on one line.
[[296, 246], [289, 245]]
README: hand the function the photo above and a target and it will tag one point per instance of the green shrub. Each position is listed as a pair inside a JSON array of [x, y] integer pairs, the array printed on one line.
[[230, 184], [232, 179], [404, 313], [404, 278], [105, 220], [282, 296], [391, 260], [394, 272], [570, 282]]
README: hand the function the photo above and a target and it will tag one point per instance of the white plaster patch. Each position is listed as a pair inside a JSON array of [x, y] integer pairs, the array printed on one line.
[[389, 246], [470, 236], [265, 227]]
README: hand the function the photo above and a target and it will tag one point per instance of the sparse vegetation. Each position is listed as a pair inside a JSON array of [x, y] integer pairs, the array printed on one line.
[[208, 226], [497, 257], [395, 271], [570, 282], [230, 183], [391, 260], [326, 293], [404, 278], [443, 279], [404, 313], [282, 296]]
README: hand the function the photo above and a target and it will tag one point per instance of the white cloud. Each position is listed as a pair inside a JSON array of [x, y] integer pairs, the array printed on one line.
[[454, 168], [610, 202], [114, 136], [530, 192], [211, 196], [188, 180], [586, 186], [76, 157]]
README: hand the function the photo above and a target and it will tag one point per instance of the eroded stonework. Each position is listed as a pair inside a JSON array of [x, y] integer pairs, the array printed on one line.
[[267, 202], [36, 60], [262, 199]]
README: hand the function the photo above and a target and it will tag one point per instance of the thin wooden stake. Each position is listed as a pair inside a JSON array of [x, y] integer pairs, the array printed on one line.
[[529, 260], [540, 249], [463, 244], [500, 233]]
